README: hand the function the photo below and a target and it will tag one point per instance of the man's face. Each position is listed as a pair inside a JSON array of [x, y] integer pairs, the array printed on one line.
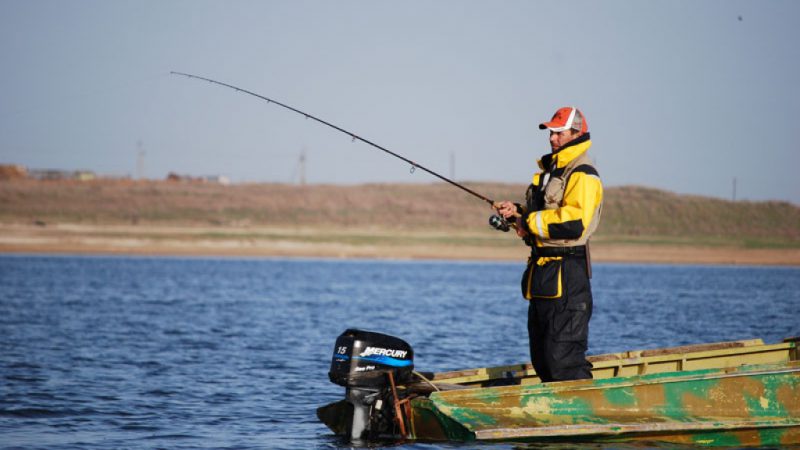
[[559, 138]]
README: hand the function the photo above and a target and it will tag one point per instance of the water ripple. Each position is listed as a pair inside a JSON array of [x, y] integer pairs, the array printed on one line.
[[141, 353]]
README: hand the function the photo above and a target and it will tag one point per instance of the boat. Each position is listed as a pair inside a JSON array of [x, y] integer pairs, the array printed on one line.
[[738, 393]]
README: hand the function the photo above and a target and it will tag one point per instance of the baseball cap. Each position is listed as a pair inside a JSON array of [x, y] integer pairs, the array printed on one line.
[[566, 118]]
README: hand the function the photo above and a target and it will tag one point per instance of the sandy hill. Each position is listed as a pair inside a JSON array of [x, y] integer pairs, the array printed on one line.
[[629, 212]]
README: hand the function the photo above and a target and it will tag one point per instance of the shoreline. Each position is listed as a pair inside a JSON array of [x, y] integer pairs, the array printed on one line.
[[349, 244]]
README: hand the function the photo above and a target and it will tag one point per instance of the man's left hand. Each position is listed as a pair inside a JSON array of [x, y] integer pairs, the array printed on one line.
[[506, 209]]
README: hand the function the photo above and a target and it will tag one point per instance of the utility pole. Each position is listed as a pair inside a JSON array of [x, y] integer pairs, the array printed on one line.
[[140, 153], [302, 166]]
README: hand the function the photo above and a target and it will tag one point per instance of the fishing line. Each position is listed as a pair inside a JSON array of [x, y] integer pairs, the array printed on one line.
[[354, 136]]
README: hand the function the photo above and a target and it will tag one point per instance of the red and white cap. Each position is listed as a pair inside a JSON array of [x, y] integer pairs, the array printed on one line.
[[566, 118]]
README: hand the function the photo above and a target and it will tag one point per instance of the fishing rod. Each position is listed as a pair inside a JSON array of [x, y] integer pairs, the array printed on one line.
[[355, 137]]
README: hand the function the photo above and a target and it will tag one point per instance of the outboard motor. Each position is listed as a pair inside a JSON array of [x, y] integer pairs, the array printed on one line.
[[361, 363]]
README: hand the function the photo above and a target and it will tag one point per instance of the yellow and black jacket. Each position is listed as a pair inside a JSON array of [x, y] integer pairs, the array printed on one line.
[[562, 211]]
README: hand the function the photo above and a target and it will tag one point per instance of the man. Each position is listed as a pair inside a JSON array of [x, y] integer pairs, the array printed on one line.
[[561, 212]]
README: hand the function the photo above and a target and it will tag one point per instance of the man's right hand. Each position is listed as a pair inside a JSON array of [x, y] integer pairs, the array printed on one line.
[[520, 228]]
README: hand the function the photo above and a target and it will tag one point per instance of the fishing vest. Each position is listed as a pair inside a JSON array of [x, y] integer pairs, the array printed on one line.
[[547, 192], [543, 276]]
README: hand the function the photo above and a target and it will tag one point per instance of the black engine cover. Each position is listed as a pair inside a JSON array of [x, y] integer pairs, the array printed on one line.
[[362, 359]]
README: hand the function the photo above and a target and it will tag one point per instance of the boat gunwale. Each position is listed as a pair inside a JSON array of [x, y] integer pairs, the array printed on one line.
[[612, 360], [625, 381]]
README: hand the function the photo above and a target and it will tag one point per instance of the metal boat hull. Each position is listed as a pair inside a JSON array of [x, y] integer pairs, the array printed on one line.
[[743, 393]]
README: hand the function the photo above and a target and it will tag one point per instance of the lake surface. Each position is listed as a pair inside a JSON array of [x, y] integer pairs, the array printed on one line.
[[142, 353]]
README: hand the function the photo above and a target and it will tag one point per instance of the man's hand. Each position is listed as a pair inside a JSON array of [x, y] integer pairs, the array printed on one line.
[[520, 228], [506, 209], [509, 211]]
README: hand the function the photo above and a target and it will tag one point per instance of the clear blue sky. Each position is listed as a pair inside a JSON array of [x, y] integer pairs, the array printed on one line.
[[679, 95]]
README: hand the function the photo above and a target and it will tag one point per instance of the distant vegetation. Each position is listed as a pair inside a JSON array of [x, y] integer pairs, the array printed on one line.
[[631, 214]]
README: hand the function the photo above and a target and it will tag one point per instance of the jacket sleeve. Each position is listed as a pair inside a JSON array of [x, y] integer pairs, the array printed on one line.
[[583, 195]]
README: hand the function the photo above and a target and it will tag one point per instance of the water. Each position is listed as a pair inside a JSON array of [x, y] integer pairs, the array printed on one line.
[[142, 353]]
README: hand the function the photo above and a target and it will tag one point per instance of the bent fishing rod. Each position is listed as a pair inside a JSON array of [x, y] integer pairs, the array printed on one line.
[[354, 136]]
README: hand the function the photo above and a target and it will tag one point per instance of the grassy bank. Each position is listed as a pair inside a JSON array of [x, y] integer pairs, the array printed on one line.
[[405, 220]]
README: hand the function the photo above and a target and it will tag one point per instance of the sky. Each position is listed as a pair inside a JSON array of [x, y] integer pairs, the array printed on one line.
[[685, 96]]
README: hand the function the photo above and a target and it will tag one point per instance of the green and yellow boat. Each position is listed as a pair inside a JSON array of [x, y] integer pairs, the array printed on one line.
[[741, 393]]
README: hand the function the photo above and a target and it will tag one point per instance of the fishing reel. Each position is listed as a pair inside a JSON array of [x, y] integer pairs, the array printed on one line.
[[499, 223]]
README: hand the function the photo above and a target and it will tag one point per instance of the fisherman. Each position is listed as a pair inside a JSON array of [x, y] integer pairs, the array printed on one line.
[[561, 212]]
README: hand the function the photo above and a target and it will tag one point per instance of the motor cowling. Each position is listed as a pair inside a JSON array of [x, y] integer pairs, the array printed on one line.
[[363, 359], [361, 362]]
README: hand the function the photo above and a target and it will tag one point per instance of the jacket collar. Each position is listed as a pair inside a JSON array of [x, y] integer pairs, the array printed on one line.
[[567, 153]]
